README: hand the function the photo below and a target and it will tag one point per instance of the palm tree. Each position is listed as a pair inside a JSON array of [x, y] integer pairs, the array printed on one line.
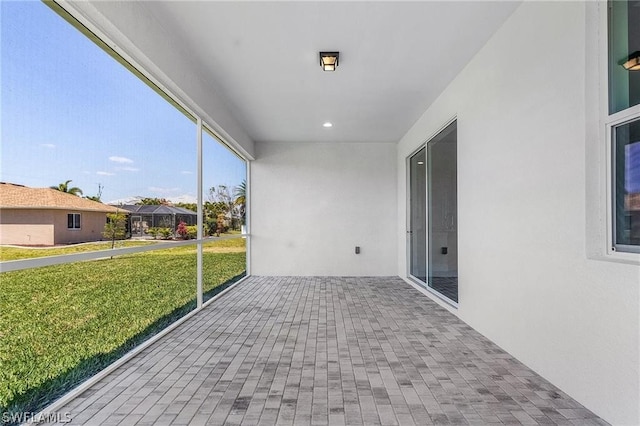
[[64, 187], [97, 196], [240, 192]]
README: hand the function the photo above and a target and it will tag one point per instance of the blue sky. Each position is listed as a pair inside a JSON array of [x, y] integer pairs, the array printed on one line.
[[70, 111]]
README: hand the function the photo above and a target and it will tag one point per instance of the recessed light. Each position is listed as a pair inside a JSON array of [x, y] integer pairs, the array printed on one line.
[[421, 162], [327, 124]]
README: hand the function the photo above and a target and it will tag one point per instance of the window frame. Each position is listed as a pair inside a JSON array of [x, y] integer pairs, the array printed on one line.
[[73, 216], [423, 285], [608, 123], [611, 131]]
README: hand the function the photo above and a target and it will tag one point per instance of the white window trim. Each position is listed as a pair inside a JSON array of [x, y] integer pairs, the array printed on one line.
[[607, 123], [614, 120], [79, 228]]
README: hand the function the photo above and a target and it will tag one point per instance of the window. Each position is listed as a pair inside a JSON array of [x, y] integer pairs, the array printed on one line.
[[623, 122], [73, 221], [626, 193], [624, 44]]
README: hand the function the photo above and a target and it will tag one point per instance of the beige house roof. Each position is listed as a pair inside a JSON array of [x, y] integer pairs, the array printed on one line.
[[14, 196]]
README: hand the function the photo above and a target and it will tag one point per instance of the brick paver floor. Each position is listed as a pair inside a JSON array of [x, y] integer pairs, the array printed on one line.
[[325, 351]]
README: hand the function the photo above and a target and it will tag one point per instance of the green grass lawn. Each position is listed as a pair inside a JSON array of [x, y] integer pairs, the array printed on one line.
[[15, 253], [61, 324]]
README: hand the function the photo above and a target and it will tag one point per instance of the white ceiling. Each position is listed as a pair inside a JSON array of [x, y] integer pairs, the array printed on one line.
[[395, 59]]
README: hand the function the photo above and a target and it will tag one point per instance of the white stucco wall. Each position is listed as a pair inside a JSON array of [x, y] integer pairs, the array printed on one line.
[[525, 166], [311, 204]]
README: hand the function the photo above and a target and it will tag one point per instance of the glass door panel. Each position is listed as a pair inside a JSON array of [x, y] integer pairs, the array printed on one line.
[[442, 265], [417, 232]]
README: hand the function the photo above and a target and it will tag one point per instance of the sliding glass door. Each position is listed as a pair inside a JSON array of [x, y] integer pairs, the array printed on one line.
[[417, 232], [433, 230]]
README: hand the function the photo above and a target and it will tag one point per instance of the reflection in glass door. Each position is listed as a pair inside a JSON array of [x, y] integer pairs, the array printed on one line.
[[442, 210], [433, 214], [417, 232]]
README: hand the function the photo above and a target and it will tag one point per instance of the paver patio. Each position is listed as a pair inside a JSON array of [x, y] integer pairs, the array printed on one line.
[[325, 350]]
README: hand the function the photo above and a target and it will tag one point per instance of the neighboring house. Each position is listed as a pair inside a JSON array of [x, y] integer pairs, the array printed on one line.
[[143, 217], [45, 217]]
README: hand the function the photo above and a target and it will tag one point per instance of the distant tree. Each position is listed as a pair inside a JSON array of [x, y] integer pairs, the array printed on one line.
[[240, 202], [219, 202], [211, 212], [234, 207], [220, 227], [116, 227], [189, 206], [97, 196], [214, 209], [240, 192], [64, 187], [220, 194], [153, 202]]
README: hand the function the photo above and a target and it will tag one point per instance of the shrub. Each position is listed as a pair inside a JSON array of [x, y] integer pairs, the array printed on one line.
[[182, 230], [165, 233], [192, 232], [210, 227], [153, 232]]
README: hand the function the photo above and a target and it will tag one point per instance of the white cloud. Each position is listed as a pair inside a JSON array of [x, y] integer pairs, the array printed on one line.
[[184, 198], [186, 172], [120, 159], [128, 169], [47, 145], [160, 189], [105, 174], [127, 200]]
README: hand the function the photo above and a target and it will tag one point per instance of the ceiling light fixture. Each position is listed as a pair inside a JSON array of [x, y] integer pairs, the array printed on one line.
[[327, 124], [329, 60], [633, 62]]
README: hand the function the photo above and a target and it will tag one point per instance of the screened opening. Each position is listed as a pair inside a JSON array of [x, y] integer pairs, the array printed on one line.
[[113, 138]]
